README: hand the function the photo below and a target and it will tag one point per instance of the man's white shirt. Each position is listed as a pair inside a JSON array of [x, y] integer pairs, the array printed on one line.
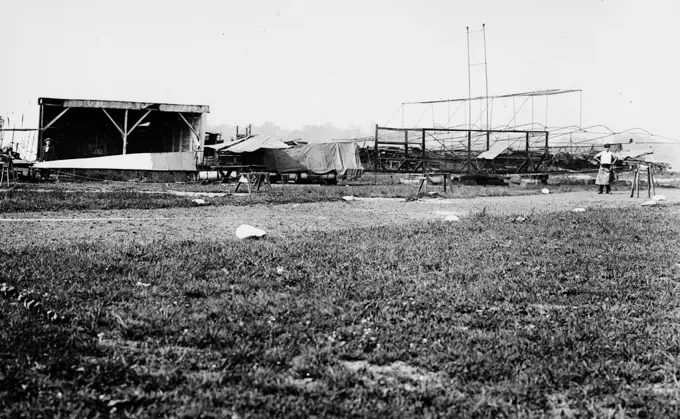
[[606, 157]]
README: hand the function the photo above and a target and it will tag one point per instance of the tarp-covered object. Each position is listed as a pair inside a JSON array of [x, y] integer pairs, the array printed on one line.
[[255, 143], [319, 159], [178, 161]]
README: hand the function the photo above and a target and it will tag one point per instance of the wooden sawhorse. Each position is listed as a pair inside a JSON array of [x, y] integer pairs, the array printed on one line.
[[254, 180]]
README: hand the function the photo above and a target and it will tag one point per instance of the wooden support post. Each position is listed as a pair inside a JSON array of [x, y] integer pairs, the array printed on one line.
[[113, 122], [527, 155], [649, 181], [637, 182], [632, 184], [424, 162], [547, 147], [125, 132], [469, 152], [445, 176], [138, 122], [406, 144], [652, 180], [38, 152], [375, 150], [193, 130], [423, 145], [488, 140]]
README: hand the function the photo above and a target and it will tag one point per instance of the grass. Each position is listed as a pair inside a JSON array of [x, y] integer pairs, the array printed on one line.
[[564, 314], [79, 197]]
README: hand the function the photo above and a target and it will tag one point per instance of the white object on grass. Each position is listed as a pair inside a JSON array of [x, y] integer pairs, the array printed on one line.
[[649, 203], [452, 218], [659, 197], [579, 210], [142, 284], [199, 201], [348, 198], [244, 231], [545, 191]]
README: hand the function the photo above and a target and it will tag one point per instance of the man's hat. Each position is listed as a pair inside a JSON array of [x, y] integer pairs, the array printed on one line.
[[606, 145], [48, 139]]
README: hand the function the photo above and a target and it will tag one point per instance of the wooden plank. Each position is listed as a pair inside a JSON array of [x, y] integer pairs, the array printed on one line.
[[55, 119], [112, 104], [114, 123], [191, 127], [138, 122]]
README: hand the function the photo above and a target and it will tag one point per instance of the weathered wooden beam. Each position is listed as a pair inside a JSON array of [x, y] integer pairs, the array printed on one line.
[[138, 122], [191, 127], [55, 119], [114, 122]]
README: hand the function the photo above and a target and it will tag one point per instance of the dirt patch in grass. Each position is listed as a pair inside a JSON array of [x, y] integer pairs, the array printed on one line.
[[218, 223]]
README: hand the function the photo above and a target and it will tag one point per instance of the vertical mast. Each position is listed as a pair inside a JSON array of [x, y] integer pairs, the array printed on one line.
[[469, 81]]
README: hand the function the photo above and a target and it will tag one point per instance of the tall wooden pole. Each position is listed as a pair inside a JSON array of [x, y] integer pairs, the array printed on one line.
[[375, 150], [469, 152]]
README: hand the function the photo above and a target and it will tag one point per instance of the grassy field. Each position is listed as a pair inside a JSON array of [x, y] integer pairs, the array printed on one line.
[[562, 315], [92, 196]]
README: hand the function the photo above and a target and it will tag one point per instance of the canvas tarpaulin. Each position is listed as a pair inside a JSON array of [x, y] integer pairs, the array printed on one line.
[[339, 157], [255, 143]]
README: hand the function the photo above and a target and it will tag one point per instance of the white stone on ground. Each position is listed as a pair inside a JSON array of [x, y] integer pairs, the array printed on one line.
[[649, 203], [244, 231], [348, 198], [545, 191], [199, 201], [659, 197], [452, 218], [579, 210]]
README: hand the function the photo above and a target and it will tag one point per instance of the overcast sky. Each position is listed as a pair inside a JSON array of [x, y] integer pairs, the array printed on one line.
[[348, 62]]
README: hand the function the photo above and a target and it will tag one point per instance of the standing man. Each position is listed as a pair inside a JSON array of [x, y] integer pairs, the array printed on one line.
[[606, 160], [48, 153]]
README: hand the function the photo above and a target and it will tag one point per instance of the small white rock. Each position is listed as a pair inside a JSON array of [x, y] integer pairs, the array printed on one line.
[[545, 191], [244, 231], [348, 198], [452, 218], [659, 197], [649, 203], [199, 201], [579, 210], [142, 284]]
